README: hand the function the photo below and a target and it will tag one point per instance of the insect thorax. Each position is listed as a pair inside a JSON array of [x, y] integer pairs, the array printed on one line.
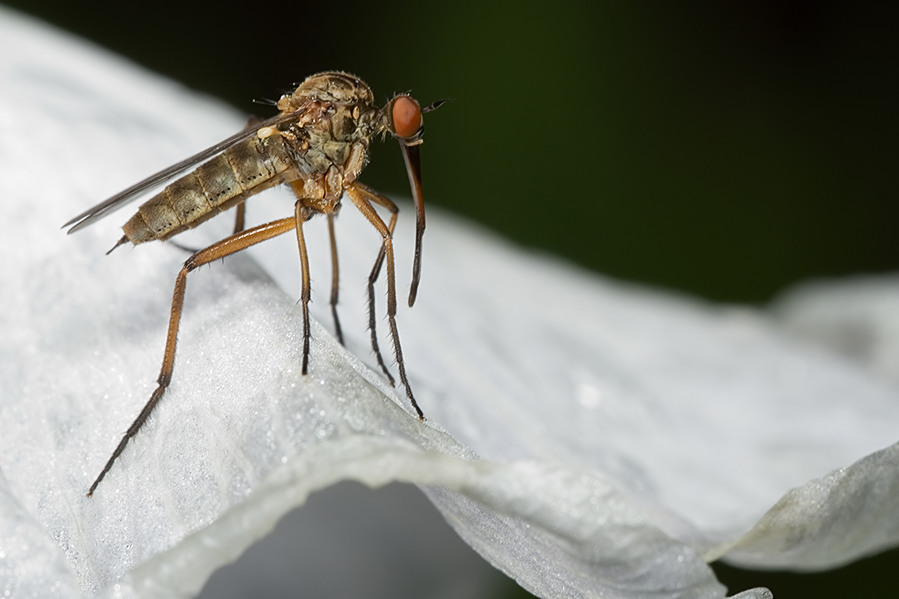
[[336, 87], [335, 119]]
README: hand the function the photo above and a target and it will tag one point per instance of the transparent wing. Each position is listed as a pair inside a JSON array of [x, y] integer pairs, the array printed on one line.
[[126, 196]]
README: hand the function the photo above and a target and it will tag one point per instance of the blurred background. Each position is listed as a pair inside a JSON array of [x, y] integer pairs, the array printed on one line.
[[724, 149]]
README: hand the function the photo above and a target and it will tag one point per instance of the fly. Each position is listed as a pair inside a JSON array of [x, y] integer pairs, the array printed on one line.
[[317, 145]]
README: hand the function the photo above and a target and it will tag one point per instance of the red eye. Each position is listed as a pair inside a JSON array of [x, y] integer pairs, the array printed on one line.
[[406, 116]]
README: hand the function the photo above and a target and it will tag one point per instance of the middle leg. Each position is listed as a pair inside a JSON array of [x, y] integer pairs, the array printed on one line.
[[335, 277]]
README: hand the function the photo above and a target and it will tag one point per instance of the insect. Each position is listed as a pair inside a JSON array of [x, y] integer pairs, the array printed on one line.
[[317, 145]]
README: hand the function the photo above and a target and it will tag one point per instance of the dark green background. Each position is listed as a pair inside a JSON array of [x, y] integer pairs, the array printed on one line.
[[725, 149]]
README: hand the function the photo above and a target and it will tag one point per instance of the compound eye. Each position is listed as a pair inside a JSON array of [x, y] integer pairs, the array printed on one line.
[[406, 115]]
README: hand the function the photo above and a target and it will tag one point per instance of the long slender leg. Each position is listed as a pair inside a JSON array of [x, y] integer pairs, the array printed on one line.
[[374, 196], [300, 215], [239, 218], [335, 277], [240, 214], [225, 247], [367, 210]]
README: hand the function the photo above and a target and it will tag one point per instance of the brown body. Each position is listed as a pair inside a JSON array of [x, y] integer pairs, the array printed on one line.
[[320, 152], [318, 145]]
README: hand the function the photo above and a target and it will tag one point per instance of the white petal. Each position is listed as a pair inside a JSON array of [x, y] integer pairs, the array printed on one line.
[[828, 522]]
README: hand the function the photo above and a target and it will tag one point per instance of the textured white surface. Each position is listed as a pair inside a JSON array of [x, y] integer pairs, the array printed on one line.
[[623, 434]]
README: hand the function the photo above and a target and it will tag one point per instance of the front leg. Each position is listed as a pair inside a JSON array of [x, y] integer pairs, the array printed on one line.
[[359, 199], [335, 277], [373, 196]]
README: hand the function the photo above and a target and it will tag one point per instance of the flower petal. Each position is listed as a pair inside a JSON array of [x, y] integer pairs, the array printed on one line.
[[830, 521]]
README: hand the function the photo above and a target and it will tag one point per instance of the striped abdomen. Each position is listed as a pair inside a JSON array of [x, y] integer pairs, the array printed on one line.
[[244, 169]]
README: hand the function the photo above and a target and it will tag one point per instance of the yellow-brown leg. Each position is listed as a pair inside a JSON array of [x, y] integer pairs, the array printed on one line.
[[225, 247], [297, 187], [240, 217], [358, 195], [374, 196], [335, 277], [240, 214], [300, 215]]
